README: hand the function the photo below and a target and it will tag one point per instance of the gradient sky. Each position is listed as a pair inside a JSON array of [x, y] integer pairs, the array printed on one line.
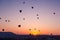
[[47, 22]]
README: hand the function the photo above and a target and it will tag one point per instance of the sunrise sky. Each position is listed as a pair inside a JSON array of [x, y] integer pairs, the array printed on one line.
[[47, 22]]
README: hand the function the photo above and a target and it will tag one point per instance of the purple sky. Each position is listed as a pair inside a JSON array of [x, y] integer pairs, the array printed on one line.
[[47, 22]]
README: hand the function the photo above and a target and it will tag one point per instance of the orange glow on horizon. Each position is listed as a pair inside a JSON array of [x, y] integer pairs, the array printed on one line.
[[35, 32]]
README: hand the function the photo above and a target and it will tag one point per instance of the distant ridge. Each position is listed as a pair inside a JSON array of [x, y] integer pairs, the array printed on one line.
[[7, 35], [12, 36]]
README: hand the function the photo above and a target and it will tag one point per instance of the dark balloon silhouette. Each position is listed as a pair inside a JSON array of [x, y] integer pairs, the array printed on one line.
[[23, 2], [20, 11], [0, 17], [5, 20], [32, 7], [30, 29], [54, 13], [8, 20], [19, 25], [2, 29], [23, 18], [39, 30], [34, 28], [37, 17]]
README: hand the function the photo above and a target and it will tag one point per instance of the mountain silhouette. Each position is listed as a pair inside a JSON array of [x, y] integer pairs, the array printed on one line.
[[7, 35], [12, 36]]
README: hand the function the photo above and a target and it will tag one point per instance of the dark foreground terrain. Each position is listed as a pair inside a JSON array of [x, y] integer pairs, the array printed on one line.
[[12, 36]]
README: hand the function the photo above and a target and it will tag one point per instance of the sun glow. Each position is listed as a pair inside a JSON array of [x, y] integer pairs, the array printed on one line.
[[35, 32]]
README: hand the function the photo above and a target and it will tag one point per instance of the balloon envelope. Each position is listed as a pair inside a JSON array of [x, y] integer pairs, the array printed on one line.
[[0, 17], [5, 20], [23, 18], [2, 29], [23, 2], [54, 13], [8, 20], [19, 25], [39, 30], [34, 28], [37, 17], [20, 11], [30, 29], [32, 7]]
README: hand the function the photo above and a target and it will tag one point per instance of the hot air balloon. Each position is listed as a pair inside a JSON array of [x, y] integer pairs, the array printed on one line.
[[0, 17], [32, 7], [24, 2], [54, 13], [20, 11], [37, 17], [23, 18], [34, 28], [19, 25], [29, 29], [39, 30], [2, 29], [6, 20]]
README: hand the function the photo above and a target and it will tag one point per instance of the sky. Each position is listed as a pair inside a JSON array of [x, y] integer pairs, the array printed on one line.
[[47, 22]]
